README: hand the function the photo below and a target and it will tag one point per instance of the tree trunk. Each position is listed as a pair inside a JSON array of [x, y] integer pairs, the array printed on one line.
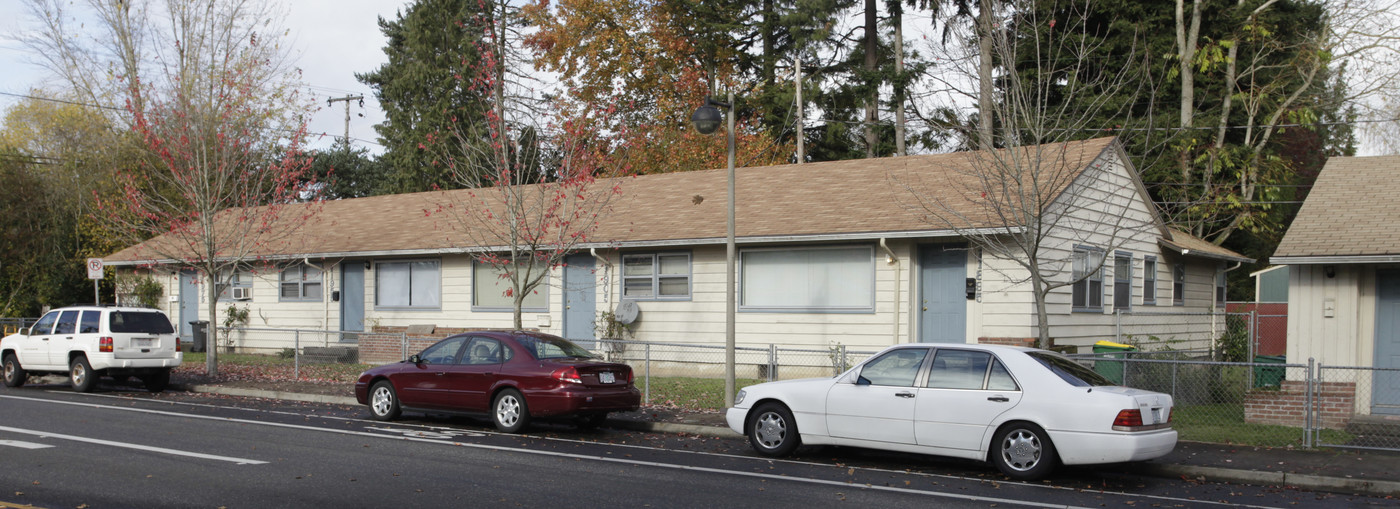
[[211, 343], [984, 73], [872, 39]]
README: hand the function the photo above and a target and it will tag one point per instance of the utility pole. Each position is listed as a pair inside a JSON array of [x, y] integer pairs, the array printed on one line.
[[347, 100], [801, 121]]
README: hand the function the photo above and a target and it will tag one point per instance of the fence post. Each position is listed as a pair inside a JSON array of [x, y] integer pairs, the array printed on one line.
[[1308, 431], [844, 362], [403, 344], [646, 368], [296, 354], [772, 362]]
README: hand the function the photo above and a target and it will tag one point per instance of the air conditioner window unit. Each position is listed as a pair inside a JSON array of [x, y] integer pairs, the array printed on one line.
[[240, 293]]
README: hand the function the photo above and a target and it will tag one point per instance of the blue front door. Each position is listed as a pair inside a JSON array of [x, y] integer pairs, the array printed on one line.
[[580, 300], [1385, 395], [189, 304], [352, 296], [942, 293]]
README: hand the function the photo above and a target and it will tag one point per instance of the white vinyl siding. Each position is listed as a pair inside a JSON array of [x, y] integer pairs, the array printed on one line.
[[814, 279], [412, 284]]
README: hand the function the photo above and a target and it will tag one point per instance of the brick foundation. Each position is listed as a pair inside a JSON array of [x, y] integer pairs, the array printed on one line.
[[1287, 406]]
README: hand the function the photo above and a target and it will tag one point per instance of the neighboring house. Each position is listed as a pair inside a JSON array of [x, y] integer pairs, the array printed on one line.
[[1343, 253], [1269, 310], [829, 253]]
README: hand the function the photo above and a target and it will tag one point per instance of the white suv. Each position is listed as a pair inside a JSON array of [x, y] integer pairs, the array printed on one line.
[[88, 342]]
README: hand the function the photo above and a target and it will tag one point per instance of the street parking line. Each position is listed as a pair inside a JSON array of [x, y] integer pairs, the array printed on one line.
[[139, 447]]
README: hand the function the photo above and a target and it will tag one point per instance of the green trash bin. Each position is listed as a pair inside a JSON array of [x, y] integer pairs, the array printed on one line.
[[1112, 370], [1266, 375]]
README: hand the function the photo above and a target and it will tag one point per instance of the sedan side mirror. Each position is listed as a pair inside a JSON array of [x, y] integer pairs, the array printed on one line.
[[415, 359]]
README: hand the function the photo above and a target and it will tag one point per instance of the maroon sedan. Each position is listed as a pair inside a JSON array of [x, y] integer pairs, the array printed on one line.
[[511, 375]]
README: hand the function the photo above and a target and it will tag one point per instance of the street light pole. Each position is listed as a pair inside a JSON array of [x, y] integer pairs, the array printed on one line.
[[730, 297], [706, 120]]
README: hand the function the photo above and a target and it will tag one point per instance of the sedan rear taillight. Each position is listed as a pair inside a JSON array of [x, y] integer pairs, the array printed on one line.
[[631, 377], [567, 375], [1131, 420], [104, 344]]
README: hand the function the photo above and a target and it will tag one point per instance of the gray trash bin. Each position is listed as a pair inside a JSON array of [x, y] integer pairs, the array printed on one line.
[[199, 334]]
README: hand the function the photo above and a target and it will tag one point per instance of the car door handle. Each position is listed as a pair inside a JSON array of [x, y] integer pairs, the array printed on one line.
[[904, 394], [999, 399]]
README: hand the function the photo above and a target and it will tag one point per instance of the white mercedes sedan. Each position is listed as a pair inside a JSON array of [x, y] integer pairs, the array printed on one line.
[[1024, 410]]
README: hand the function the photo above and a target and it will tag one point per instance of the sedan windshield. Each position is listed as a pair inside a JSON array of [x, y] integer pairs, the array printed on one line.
[[1073, 372], [552, 348]]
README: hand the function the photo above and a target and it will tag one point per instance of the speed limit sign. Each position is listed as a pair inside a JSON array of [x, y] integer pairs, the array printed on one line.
[[94, 267]]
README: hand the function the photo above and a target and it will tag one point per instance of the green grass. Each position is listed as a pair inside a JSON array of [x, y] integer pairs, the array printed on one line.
[[691, 393], [272, 368], [1224, 423]]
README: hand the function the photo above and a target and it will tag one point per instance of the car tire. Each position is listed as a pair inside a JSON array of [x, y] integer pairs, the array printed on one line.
[[81, 375], [592, 420], [158, 381], [772, 431], [1023, 451], [509, 411], [384, 402], [14, 374]]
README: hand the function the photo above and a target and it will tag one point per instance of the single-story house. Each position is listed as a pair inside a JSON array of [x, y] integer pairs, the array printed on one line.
[[1343, 254], [832, 253]]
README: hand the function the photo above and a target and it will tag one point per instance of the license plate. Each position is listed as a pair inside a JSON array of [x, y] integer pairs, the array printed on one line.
[[143, 342], [606, 377]]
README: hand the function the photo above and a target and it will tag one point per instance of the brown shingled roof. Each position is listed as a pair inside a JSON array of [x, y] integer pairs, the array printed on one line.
[[1351, 211], [838, 198]]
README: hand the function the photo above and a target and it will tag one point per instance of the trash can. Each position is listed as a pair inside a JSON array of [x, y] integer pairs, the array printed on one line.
[[1266, 375], [1112, 370], [199, 333]]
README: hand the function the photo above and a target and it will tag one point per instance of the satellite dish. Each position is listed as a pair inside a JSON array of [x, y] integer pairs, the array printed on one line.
[[627, 312]]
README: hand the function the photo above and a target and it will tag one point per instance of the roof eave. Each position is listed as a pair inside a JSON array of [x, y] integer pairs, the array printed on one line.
[[1334, 259], [1186, 251]]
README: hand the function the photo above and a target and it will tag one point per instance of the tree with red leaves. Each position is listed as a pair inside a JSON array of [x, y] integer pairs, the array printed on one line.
[[539, 185], [224, 176]]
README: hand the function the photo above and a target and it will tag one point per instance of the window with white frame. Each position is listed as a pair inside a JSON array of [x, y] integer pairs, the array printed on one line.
[[656, 276], [1087, 292], [300, 283], [1179, 284], [1149, 280], [408, 284], [836, 279], [492, 290], [1122, 280], [241, 278]]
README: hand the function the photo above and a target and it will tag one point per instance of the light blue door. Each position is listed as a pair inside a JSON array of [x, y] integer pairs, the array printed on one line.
[[942, 294], [1385, 398], [189, 304], [580, 300], [352, 296]]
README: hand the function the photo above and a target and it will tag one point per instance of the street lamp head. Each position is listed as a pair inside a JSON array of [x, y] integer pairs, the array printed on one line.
[[707, 118]]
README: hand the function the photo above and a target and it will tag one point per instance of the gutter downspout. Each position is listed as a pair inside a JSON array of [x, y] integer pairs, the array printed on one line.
[[898, 274], [1214, 325], [607, 274]]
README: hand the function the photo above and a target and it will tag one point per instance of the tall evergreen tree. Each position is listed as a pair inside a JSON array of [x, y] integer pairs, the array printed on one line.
[[434, 51]]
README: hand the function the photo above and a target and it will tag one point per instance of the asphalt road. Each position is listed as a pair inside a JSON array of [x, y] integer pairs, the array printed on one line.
[[131, 449]]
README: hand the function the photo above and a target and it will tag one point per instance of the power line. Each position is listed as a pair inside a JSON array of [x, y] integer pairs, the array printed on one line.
[[75, 103]]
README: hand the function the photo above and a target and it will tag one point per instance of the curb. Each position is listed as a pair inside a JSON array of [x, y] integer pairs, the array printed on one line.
[[1377, 488]]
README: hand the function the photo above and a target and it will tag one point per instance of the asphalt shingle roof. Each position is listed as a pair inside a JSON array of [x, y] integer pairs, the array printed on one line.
[[1351, 211], [830, 198]]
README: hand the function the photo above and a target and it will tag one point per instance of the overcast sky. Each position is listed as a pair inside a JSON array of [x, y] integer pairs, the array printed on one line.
[[333, 40]]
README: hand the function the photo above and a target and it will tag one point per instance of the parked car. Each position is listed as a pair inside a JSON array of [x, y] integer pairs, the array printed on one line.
[[88, 342], [1022, 409], [513, 376]]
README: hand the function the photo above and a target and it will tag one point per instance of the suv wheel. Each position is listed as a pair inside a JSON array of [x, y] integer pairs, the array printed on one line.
[[14, 375], [81, 374]]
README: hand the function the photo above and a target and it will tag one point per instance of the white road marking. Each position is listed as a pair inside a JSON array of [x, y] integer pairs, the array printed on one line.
[[139, 447], [24, 445]]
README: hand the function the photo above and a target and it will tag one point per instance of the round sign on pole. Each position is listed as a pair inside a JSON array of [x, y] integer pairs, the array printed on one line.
[[94, 267]]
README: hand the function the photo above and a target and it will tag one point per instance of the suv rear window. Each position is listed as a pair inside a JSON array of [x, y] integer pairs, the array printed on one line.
[[140, 322]]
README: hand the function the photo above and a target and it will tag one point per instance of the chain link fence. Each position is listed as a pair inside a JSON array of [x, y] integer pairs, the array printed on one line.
[[292, 354], [1362, 403]]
